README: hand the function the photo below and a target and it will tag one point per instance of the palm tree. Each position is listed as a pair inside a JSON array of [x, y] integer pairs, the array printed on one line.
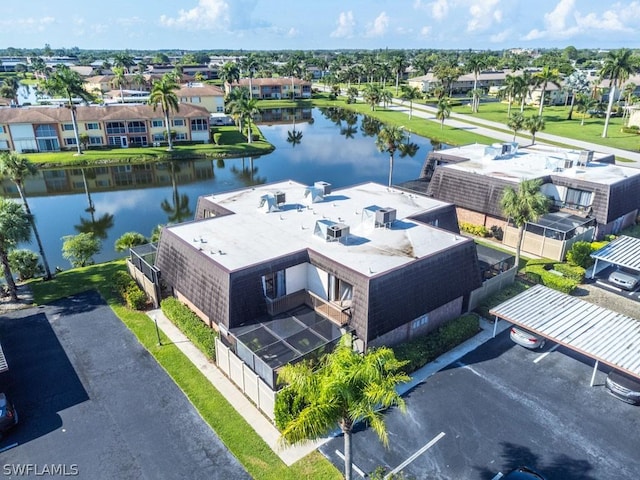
[[346, 388], [163, 93], [535, 124], [69, 84], [392, 139], [128, 240], [444, 110], [475, 64], [18, 168], [244, 109], [618, 65], [523, 85], [522, 205], [398, 64], [410, 94], [372, 94], [9, 89], [510, 90], [516, 123], [628, 91], [14, 228], [119, 80], [250, 64], [542, 79], [386, 97], [229, 73], [584, 103]]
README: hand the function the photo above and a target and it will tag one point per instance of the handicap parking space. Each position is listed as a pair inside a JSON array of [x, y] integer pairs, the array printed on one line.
[[502, 406]]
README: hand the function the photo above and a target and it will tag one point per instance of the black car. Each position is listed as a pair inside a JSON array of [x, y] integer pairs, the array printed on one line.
[[523, 473], [8, 414]]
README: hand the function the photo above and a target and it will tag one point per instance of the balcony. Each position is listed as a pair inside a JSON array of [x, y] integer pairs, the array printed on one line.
[[337, 314]]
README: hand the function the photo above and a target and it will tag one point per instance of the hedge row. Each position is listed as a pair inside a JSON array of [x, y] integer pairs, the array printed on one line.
[[421, 350], [537, 273], [129, 291], [201, 335], [477, 230]]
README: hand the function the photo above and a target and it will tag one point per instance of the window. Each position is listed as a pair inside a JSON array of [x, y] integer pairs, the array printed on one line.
[[114, 141], [67, 127], [158, 137], [220, 109], [138, 141], [578, 198], [70, 141], [339, 290], [178, 122], [46, 131], [157, 123], [419, 322], [195, 99], [274, 285], [137, 127], [199, 125], [181, 136], [92, 126], [2, 130], [114, 128], [95, 140]]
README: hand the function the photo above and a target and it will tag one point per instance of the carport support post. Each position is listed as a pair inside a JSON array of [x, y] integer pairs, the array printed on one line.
[[495, 327], [593, 271], [593, 376]]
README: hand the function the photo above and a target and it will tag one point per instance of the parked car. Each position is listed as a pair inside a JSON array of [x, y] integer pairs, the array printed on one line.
[[523, 473], [8, 414], [526, 338], [625, 279], [623, 386]]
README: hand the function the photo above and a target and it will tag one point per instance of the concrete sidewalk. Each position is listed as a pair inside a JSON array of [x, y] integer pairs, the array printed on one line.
[[260, 423]]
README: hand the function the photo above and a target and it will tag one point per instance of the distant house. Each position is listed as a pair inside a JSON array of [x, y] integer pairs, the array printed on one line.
[[210, 97], [49, 129], [591, 195], [274, 88]]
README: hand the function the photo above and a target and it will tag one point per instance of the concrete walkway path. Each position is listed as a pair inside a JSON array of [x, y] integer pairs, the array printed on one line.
[[261, 424]]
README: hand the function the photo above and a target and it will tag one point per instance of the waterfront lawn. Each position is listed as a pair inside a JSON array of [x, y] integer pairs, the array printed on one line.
[[232, 144], [238, 436]]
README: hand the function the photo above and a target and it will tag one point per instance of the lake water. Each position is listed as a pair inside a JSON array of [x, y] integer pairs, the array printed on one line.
[[137, 198]]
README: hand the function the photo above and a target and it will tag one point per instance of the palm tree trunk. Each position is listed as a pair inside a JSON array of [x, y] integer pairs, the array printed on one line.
[[541, 102], [74, 121], [13, 291], [390, 170], [573, 101], [166, 119], [519, 246], [32, 221], [612, 93], [348, 463]]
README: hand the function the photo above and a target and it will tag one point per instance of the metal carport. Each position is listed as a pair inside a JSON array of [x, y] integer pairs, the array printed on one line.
[[624, 251], [3, 361], [606, 336]]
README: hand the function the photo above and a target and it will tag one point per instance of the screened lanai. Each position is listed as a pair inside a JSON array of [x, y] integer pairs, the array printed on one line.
[[560, 225]]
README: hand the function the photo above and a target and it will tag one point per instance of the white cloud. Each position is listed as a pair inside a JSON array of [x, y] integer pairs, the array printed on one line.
[[293, 33], [425, 31], [27, 24], [129, 21], [501, 37], [483, 14], [346, 25], [207, 15], [379, 26], [439, 9]]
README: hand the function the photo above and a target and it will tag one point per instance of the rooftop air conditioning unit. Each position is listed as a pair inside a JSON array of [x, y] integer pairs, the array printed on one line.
[[280, 198], [568, 164], [385, 217], [337, 231], [324, 186]]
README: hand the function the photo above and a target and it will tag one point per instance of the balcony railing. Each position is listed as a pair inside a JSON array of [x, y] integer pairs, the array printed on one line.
[[336, 313]]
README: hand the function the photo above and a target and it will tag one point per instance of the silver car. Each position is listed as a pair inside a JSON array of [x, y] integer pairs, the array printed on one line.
[[526, 338], [625, 279]]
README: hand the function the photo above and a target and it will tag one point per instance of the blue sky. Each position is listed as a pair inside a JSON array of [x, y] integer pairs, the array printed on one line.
[[324, 24]]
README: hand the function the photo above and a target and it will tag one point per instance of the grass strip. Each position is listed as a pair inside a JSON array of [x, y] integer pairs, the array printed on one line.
[[238, 436]]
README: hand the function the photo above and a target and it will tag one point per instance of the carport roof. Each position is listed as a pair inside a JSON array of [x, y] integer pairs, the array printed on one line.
[[3, 361], [599, 333], [623, 251]]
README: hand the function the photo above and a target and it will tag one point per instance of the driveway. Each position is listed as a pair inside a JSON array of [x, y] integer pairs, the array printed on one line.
[[91, 399], [501, 406]]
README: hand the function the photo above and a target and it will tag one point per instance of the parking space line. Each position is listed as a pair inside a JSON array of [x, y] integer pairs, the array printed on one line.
[[433, 441], [542, 355], [8, 447], [355, 467]]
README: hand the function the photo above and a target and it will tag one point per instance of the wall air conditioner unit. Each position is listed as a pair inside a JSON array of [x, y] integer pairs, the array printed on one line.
[[280, 198], [385, 217], [568, 164], [324, 186], [337, 231]]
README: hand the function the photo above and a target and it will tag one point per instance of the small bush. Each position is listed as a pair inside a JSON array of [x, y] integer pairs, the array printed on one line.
[[598, 245], [200, 334], [574, 272], [421, 350], [580, 254], [497, 232], [538, 274], [135, 297], [25, 264], [477, 230]]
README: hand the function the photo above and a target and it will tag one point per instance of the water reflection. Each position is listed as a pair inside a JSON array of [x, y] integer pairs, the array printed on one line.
[[113, 199]]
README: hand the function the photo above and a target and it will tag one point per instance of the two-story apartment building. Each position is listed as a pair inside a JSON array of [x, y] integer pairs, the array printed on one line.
[[50, 129], [273, 88]]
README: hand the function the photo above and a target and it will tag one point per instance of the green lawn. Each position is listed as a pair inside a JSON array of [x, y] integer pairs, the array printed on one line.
[[247, 446], [556, 123]]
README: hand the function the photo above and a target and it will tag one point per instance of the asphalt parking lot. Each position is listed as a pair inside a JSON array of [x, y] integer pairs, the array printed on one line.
[[92, 400], [502, 406]]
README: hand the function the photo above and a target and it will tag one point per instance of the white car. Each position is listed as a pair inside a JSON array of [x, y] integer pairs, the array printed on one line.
[[625, 279]]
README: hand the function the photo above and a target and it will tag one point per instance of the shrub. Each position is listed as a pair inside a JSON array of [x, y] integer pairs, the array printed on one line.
[[477, 230], [25, 263], [201, 335], [574, 272], [598, 245], [287, 407], [421, 350], [129, 291], [539, 274], [580, 254], [216, 138], [497, 232]]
